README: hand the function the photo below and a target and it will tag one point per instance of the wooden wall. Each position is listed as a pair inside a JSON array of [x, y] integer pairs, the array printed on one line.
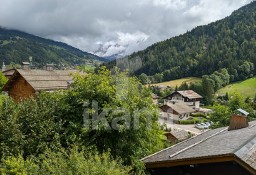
[[21, 89], [225, 168]]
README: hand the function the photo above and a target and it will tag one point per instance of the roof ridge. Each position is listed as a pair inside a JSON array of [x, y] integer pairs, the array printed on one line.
[[197, 143]]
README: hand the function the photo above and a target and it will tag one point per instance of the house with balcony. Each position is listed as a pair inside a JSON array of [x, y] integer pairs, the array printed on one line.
[[188, 97]]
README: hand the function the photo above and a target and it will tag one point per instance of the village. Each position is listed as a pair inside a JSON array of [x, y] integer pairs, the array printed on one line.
[[152, 87], [186, 124]]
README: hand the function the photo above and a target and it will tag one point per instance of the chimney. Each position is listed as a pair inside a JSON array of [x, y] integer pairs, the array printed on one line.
[[25, 65], [49, 67], [238, 122]]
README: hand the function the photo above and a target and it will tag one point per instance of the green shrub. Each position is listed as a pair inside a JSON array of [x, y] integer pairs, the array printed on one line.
[[198, 115], [71, 162], [193, 120]]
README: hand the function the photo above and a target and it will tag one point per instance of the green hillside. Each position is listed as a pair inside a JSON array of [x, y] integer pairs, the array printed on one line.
[[246, 88], [178, 82], [226, 43], [17, 46]]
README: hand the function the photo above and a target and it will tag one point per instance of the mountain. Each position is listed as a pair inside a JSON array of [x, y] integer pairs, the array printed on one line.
[[17, 46], [226, 43]]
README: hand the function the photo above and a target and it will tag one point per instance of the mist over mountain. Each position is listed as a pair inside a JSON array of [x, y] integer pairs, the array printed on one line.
[[17, 46], [226, 43]]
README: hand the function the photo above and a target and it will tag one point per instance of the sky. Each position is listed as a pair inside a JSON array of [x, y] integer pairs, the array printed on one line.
[[112, 27]]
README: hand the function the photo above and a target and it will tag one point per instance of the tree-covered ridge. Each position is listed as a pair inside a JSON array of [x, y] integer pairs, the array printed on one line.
[[227, 43], [17, 46]]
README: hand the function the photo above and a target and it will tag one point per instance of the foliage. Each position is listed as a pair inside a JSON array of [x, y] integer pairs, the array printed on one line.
[[228, 43], [144, 78], [71, 162], [29, 127], [3, 80], [125, 101], [16, 47], [222, 113], [192, 120], [178, 82], [245, 88], [198, 115], [128, 131]]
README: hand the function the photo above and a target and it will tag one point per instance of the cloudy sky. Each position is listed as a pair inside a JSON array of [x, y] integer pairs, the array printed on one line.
[[108, 27]]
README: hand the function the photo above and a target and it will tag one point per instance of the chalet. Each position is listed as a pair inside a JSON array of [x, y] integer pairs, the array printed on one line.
[[221, 151], [177, 111], [188, 97], [25, 83], [176, 136]]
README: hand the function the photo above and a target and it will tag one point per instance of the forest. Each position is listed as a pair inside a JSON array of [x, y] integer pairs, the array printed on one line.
[[17, 47], [227, 43]]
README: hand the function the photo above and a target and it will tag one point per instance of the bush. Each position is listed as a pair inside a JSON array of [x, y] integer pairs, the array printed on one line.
[[192, 120], [70, 162], [29, 127], [198, 115]]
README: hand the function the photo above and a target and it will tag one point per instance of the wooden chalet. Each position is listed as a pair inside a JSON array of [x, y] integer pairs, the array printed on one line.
[[24, 83], [177, 110], [189, 97], [222, 151], [176, 136]]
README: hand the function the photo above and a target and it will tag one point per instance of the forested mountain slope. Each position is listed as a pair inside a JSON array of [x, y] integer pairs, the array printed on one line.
[[17, 46], [227, 43]]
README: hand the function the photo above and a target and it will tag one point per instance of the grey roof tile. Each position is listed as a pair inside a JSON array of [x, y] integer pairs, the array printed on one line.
[[215, 142]]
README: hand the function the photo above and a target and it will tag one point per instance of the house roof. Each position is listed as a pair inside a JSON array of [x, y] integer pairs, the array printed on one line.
[[243, 111], [187, 93], [219, 142], [180, 134], [42, 79], [180, 108], [25, 63], [9, 72]]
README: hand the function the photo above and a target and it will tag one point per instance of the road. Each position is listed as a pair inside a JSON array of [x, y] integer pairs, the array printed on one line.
[[189, 128]]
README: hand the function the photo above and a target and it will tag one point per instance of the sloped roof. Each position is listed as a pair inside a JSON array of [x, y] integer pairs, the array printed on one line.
[[44, 80], [214, 143], [243, 111], [180, 134], [9, 72], [180, 108], [189, 94]]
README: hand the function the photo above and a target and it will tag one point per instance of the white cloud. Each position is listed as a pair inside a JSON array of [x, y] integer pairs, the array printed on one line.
[[121, 26], [122, 45], [171, 4]]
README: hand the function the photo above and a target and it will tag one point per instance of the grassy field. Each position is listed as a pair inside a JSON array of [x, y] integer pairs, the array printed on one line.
[[178, 82], [246, 88]]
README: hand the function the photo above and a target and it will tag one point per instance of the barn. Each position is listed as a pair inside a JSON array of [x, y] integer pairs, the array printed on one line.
[[25, 83]]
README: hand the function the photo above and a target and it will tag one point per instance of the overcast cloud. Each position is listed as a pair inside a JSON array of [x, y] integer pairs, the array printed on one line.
[[108, 27]]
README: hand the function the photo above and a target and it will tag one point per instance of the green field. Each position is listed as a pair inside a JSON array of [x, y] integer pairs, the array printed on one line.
[[246, 88], [178, 82]]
